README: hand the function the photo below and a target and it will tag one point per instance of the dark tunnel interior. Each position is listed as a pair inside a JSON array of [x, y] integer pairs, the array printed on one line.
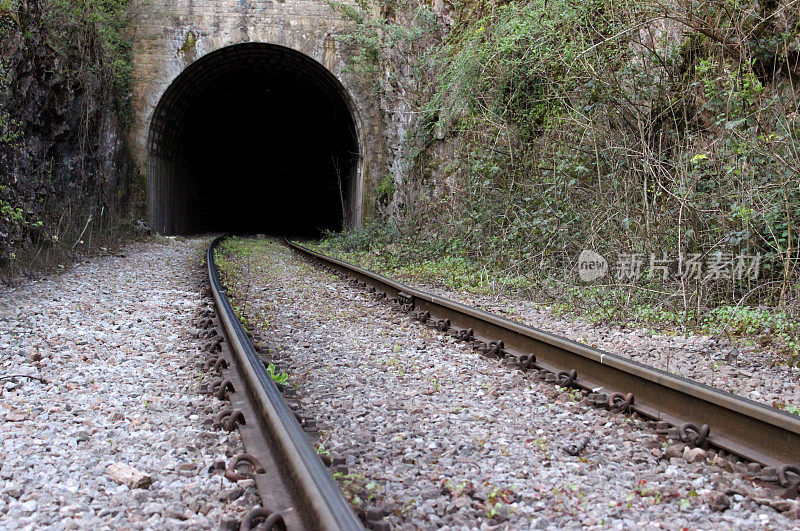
[[253, 138]]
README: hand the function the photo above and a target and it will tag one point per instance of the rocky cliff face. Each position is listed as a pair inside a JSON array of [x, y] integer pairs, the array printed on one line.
[[406, 76], [62, 163]]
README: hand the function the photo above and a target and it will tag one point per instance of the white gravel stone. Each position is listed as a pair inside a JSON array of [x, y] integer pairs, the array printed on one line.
[[127, 475], [111, 337]]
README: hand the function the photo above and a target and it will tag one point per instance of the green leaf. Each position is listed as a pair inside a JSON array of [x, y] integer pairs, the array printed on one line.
[[733, 124]]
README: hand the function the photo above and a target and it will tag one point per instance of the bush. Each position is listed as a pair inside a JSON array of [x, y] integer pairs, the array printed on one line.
[[538, 130]]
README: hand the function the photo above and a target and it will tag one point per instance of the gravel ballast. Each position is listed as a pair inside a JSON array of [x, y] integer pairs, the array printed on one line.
[[119, 436], [428, 434], [747, 371], [751, 371]]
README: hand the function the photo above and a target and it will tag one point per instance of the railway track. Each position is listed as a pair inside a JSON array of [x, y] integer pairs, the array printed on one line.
[[296, 489], [692, 412]]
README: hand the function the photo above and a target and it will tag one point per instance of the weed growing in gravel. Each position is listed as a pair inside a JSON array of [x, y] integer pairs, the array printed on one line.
[[356, 488], [497, 499], [263, 318], [408, 507], [491, 509], [372, 489], [686, 503], [541, 442], [567, 497], [277, 377], [321, 450], [395, 365], [646, 492], [575, 394], [789, 408], [458, 489], [240, 315], [503, 495]]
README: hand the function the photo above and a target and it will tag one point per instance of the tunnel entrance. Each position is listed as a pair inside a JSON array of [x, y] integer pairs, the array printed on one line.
[[253, 138]]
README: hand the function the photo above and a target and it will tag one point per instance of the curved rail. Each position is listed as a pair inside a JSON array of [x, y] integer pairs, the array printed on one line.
[[316, 501], [737, 425]]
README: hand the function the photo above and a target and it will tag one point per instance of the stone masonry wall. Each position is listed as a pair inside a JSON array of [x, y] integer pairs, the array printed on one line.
[[168, 37]]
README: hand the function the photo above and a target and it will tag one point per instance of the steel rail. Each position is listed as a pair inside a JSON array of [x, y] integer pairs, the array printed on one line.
[[738, 425], [315, 497]]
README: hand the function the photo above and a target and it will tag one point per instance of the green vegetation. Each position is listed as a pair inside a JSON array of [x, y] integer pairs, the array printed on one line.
[[601, 303], [357, 488], [667, 132], [375, 29], [277, 377], [105, 21], [321, 450], [188, 44], [238, 260], [386, 190], [791, 408], [239, 263]]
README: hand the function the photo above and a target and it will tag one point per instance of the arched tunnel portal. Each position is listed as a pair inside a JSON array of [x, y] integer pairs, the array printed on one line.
[[253, 138]]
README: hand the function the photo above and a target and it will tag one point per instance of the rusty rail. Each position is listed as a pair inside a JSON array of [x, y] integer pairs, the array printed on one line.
[[294, 484], [740, 426]]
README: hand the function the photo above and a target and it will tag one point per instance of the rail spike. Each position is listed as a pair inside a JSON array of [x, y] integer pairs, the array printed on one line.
[[228, 419], [691, 434], [494, 349], [221, 388], [525, 362], [443, 325], [566, 379], [791, 484], [465, 334], [422, 316], [619, 403], [262, 519], [232, 470]]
